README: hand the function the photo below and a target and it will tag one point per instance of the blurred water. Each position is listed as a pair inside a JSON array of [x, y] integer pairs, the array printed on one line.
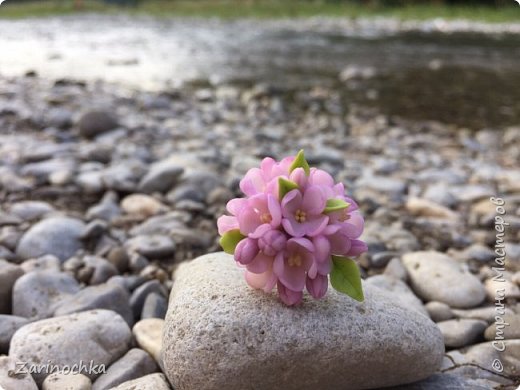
[[411, 68]]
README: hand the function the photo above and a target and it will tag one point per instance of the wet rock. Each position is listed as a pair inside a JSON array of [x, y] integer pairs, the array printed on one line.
[[136, 363], [9, 273], [35, 294], [148, 382], [105, 296], [461, 332], [436, 277], [214, 287], [100, 336], [149, 336], [8, 326], [58, 236], [63, 381], [95, 122], [10, 380]]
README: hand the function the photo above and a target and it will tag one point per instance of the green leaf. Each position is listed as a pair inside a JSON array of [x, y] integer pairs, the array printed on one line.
[[300, 162], [335, 205], [345, 277], [284, 186], [230, 240]]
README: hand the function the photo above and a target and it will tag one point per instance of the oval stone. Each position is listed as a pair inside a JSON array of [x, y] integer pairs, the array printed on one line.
[[219, 333]]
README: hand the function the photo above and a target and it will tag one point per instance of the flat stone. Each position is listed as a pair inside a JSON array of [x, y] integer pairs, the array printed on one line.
[[501, 288], [11, 381], [442, 382], [396, 270], [58, 236], [102, 269], [148, 382], [31, 210], [427, 208], [487, 313], [37, 293], [105, 296], [98, 336], [64, 381], [140, 205], [141, 293], [96, 122], [161, 177], [509, 331], [9, 273], [136, 363], [439, 311], [152, 246], [461, 332], [42, 263], [219, 333], [149, 333], [155, 306], [8, 326], [399, 289], [436, 277]]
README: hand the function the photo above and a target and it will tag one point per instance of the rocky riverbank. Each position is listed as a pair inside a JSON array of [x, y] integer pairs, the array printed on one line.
[[106, 190]]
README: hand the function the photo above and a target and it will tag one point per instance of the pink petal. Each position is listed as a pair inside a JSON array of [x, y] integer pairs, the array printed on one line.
[[260, 231], [317, 287], [316, 226], [248, 220], [339, 244], [290, 203], [261, 281], [299, 244], [253, 182], [299, 177], [246, 251], [292, 277], [260, 264], [288, 296], [321, 248], [353, 227], [235, 205], [357, 248], [313, 201], [294, 228], [320, 177], [226, 223], [274, 210]]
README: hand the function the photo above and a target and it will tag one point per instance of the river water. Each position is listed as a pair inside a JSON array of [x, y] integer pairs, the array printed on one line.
[[465, 78]]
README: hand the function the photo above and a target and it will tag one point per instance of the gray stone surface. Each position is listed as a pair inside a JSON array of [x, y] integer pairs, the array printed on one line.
[[461, 332], [9, 273], [96, 122], [8, 326], [509, 330], [100, 336], [9, 380], [140, 294], [161, 177], [37, 293], [148, 382], [221, 334], [136, 363], [439, 311], [442, 382], [63, 381], [436, 277], [105, 296], [57, 236]]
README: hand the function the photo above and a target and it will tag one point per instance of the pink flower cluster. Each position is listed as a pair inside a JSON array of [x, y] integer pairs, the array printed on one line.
[[289, 242]]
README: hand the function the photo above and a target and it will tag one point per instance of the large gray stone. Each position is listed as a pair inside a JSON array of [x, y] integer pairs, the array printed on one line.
[[219, 333], [67, 381], [461, 332], [436, 277], [97, 336], [148, 382], [11, 378], [58, 236], [135, 364], [9, 273], [37, 293]]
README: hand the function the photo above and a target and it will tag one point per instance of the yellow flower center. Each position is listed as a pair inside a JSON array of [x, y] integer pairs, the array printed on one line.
[[300, 216], [266, 218], [295, 260], [344, 215]]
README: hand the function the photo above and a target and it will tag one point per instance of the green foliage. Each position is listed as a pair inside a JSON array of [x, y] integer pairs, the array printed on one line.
[[230, 240], [345, 277], [300, 162], [285, 186]]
